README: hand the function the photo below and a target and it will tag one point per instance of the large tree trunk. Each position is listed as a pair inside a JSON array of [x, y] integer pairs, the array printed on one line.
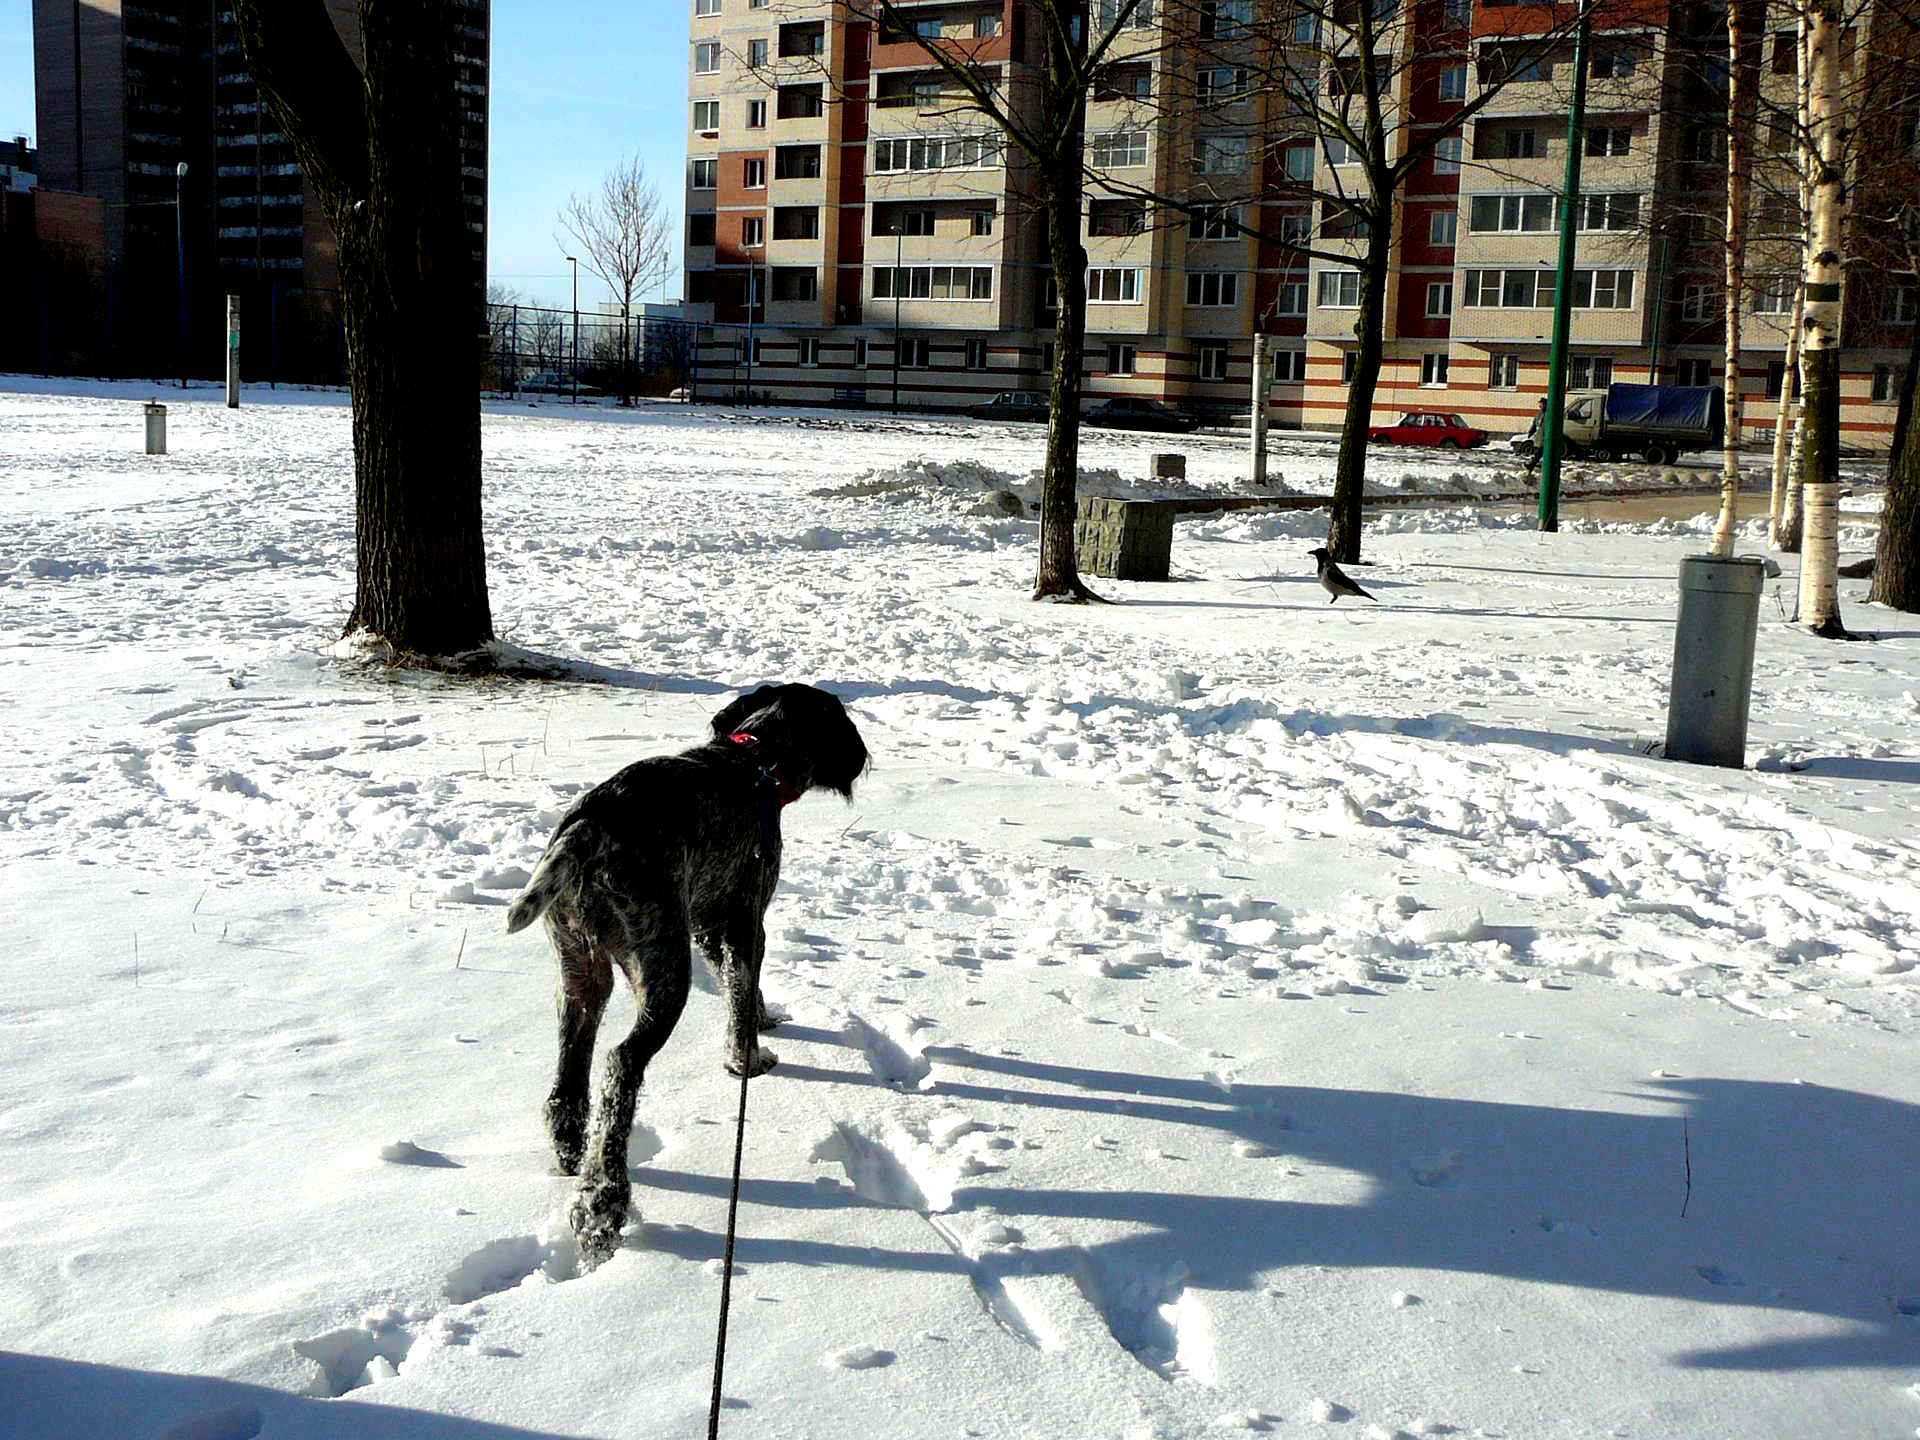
[[1896, 560], [1820, 395], [1063, 185], [1349, 479], [381, 148]]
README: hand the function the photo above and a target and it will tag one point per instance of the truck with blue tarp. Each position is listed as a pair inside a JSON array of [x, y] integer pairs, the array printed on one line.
[[1659, 422]]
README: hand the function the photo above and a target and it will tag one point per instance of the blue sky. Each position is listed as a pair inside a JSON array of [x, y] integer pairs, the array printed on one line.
[[577, 85]]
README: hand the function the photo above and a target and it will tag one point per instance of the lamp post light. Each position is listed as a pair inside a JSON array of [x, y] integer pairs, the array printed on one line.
[[573, 261], [180, 258]]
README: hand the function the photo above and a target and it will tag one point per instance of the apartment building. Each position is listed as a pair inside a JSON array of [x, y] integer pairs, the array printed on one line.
[[128, 92], [857, 234]]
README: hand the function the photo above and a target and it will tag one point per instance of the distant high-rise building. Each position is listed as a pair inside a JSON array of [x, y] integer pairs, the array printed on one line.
[[127, 92]]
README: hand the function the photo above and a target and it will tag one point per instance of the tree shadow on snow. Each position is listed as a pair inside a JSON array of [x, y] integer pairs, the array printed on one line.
[[48, 1396], [1796, 1203]]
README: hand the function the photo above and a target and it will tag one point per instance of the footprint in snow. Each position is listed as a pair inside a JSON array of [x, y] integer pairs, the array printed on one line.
[[1437, 1172], [405, 1152], [857, 1357]]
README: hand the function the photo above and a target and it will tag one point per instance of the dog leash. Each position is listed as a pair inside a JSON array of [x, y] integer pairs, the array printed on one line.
[[726, 1274]]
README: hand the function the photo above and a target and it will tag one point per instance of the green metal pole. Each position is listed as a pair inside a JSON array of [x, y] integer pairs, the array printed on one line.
[[1550, 432]]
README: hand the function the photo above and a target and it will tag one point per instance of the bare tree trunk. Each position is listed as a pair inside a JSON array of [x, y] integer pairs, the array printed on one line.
[[1740, 96], [382, 151], [1896, 559], [1786, 419], [1819, 565], [1349, 480], [1787, 535], [1063, 181]]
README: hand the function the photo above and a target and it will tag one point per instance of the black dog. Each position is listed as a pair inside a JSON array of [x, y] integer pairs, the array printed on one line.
[[671, 850]]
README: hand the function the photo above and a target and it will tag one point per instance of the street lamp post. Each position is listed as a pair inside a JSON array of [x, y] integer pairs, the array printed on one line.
[[573, 261], [899, 232], [180, 258]]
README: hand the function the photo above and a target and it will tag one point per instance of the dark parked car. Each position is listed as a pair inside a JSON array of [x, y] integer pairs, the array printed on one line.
[[1438, 428], [1127, 412], [1013, 405]]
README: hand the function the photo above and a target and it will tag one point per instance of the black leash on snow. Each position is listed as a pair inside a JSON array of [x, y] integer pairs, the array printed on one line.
[[726, 1275]]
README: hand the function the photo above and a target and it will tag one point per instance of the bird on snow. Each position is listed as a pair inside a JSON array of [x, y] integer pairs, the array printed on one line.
[[1333, 579]]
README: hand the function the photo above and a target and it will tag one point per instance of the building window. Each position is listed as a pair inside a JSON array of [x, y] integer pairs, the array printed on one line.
[[1213, 288], [859, 352], [1295, 229], [1453, 83], [902, 222], [936, 152], [1433, 369], [1224, 19], [1339, 152], [1116, 217], [796, 222], [1699, 302], [1220, 84], [1120, 359], [1518, 144], [1609, 212], [796, 162], [1291, 298], [809, 352], [1887, 382], [757, 352], [1603, 289], [1614, 65], [914, 352], [1503, 372], [1215, 224], [756, 53], [705, 174], [1349, 362], [1512, 214], [1220, 155], [1443, 227], [1446, 156], [706, 114], [1213, 360], [1439, 299], [706, 58], [756, 114], [1111, 285], [1902, 305], [1046, 358], [1120, 148], [1340, 289], [1695, 372], [706, 7], [1141, 17], [753, 232], [933, 282], [1589, 372], [1509, 289], [985, 26], [983, 222], [1777, 378], [1288, 367], [1774, 294], [1299, 162], [796, 283], [1610, 140], [753, 174], [700, 229]]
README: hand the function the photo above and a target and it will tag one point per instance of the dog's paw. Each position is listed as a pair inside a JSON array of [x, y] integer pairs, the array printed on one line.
[[770, 1017], [763, 1061]]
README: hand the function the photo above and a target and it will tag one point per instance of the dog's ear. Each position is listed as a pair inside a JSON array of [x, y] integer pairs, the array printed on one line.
[[730, 719], [839, 754]]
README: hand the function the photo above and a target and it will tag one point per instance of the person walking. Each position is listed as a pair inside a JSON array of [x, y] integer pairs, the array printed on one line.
[[1537, 435]]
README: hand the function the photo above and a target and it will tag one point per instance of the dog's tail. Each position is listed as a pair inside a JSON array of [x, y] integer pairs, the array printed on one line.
[[550, 877]]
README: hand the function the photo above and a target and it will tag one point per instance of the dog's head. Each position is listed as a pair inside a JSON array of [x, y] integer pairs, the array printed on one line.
[[810, 729]]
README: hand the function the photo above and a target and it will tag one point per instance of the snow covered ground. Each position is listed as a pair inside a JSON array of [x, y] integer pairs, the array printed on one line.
[[1216, 1012]]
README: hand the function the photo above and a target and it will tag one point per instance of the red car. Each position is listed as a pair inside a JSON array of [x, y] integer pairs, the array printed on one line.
[[1429, 427]]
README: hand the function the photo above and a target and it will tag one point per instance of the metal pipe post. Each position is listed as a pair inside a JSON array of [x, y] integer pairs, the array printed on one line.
[[1551, 434], [233, 352], [180, 256]]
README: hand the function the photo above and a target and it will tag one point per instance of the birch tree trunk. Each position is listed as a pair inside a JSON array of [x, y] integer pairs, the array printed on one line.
[[1896, 559], [1820, 396], [1794, 380], [1740, 96], [1786, 420]]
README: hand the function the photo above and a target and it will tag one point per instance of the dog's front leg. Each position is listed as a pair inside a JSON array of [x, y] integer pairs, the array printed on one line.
[[746, 1011]]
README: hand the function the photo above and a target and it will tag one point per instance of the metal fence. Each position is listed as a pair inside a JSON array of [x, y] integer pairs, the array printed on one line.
[[535, 350]]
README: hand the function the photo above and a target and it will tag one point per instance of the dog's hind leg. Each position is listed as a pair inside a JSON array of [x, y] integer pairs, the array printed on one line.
[[660, 970], [586, 981], [746, 947]]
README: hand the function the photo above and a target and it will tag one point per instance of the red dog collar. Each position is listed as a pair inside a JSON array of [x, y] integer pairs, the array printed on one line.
[[787, 793]]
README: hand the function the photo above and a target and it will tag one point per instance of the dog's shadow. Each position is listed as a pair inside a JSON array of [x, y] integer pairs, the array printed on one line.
[[1524, 1192]]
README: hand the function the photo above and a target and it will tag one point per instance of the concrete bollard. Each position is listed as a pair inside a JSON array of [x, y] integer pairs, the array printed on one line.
[[1169, 465], [156, 428], [1713, 645]]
